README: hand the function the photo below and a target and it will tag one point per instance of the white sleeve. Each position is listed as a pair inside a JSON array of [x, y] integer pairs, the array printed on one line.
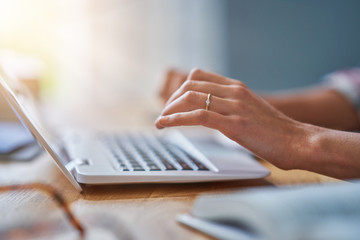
[[347, 83]]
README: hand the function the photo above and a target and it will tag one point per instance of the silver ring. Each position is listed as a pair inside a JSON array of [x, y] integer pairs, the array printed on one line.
[[207, 102]]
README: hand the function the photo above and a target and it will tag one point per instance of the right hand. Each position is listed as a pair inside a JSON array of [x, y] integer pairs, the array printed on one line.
[[172, 81], [239, 114]]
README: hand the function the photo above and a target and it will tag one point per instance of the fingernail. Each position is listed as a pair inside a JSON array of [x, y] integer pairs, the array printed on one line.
[[160, 121], [164, 120], [157, 120]]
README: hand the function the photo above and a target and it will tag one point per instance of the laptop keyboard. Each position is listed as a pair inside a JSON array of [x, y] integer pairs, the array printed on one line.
[[149, 153]]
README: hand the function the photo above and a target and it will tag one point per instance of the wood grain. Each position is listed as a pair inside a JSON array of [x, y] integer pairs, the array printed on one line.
[[143, 211], [147, 210]]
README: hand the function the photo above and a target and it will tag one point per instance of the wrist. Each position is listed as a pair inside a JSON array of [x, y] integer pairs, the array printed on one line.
[[310, 148], [301, 146]]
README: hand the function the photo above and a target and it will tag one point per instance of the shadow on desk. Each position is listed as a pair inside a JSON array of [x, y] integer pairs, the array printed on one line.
[[176, 190]]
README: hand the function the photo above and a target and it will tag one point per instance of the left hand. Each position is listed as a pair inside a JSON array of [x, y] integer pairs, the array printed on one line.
[[172, 80], [238, 113]]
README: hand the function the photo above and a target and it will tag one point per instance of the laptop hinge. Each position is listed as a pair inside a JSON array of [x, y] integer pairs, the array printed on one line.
[[76, 162]]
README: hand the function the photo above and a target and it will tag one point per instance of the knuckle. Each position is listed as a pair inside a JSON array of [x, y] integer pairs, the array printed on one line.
[[242, 84], [171, 70], [240, 91], [195, 73], [239, 120], [202, 116], [190, 96], [238, 82], [188, 85], [169, 73], [238, 104]]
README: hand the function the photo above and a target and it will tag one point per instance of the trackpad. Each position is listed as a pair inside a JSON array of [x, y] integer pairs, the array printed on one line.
[[223, 156]]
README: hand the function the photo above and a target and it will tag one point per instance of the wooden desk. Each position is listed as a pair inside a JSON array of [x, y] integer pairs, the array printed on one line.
[[152, 208], [148, 210]]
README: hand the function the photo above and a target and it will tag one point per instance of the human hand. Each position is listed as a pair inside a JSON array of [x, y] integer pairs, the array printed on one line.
[[238, 113], [172, 81]]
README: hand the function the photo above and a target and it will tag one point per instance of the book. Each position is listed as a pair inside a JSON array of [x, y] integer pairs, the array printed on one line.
[[321, 211]]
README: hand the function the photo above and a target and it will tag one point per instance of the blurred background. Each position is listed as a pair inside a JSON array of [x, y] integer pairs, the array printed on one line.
[[102, 52]]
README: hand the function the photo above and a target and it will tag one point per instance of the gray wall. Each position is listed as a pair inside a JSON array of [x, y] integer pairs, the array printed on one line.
[[283, 44]]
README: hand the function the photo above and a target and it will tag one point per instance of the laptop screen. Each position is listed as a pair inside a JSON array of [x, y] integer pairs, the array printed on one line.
[[24, 108]]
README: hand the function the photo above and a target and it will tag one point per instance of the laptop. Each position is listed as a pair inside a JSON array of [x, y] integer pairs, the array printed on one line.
[[135, 157]]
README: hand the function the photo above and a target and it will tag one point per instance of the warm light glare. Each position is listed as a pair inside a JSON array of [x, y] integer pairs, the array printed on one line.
[[28, 27], [107, 51]]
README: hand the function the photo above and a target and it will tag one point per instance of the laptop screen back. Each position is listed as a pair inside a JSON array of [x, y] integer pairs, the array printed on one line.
[[24, 108]]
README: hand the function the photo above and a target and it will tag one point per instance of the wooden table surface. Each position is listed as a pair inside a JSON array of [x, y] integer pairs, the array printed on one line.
[[147, 210]]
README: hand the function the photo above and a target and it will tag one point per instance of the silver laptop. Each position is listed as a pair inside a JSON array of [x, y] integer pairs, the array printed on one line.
[[113, 158]]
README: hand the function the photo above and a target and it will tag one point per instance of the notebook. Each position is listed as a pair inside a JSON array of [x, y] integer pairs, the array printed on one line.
[[314, 211], [134, 157]]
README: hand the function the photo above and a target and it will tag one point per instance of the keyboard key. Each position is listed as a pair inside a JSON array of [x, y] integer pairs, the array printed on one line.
[[138, 168], [178, 156], [168, 165], [200, 165], [154, 167], [149, 153], [185, 166]]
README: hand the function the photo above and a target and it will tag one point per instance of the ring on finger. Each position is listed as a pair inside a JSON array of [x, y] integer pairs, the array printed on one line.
[[207, 102]]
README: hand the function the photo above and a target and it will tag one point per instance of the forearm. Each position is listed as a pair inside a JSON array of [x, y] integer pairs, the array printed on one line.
[[247, 119], [329, 152], [321, 107]]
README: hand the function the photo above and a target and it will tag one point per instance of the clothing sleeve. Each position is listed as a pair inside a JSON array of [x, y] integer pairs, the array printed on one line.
[[347, 83]]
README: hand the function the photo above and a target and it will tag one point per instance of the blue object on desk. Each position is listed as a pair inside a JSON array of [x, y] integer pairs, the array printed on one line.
[[16, 143]]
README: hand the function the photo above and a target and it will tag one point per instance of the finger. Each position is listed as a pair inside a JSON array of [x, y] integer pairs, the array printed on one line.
[[172, 81], [197, 117], [192, 100], [166, 82], [176, 83], [219, 90], [201, 75]]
